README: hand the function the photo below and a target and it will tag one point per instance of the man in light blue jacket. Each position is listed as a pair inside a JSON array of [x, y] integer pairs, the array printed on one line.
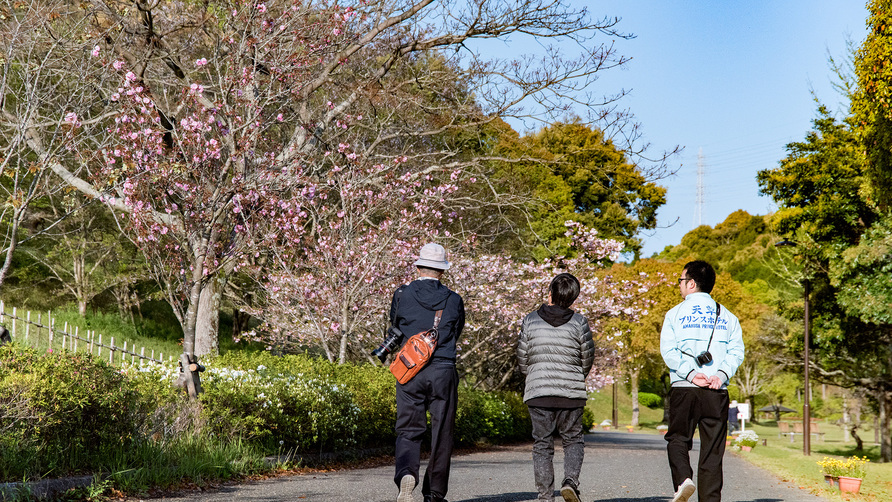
[[702, 344]]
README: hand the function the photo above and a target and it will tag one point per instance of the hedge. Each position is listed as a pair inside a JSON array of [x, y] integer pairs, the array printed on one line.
[[67, 413]]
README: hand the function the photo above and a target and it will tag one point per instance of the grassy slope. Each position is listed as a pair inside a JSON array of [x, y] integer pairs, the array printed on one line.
[[601, 403]]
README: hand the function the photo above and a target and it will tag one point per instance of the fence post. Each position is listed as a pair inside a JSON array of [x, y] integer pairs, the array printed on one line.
[[142, 355], [13, 322], [39, 324], [99, 347], [52, 323], [27, 326], [111, 351], [75, 338]]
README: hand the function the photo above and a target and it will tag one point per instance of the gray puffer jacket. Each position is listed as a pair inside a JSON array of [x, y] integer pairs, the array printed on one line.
[[555, 359]]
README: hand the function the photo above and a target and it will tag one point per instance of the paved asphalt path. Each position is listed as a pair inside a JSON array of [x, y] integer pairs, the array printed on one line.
[[619, 467]]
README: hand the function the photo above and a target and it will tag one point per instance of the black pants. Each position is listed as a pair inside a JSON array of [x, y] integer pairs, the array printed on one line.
[[706, 409], [434, 388]]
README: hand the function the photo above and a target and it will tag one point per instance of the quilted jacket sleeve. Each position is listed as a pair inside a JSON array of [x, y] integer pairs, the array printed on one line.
[[523, 360], [587, 344]]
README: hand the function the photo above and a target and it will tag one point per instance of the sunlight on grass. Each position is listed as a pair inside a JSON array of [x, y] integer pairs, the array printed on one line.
[[787, 461]]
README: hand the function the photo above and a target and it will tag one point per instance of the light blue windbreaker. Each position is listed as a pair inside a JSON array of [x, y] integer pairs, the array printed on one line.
[[686, 328]]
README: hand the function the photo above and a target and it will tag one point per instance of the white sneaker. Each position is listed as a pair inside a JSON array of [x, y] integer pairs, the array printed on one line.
[[407, 484], [685, 490]]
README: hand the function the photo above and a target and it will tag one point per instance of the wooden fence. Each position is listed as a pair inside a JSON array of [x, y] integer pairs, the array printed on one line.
[[43, 332]]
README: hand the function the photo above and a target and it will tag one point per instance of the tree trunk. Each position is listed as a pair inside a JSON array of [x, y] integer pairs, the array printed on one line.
[[846, 419], [207, 326], [636, 409], [13, 232], [885, 442], [239, 322], [342, 347], [751, 400]]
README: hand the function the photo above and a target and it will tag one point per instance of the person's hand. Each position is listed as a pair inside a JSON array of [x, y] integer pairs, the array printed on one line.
[[715, 382], [700, 380]]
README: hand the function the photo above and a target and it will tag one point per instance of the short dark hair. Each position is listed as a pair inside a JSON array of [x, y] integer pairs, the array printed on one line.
[[564, 290], [702, 273]]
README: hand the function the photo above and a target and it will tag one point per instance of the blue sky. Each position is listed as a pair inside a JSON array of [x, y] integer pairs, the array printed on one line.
[[733, 78]]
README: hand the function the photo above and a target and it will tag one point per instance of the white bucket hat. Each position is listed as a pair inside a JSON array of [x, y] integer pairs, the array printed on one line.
[[432, 256]]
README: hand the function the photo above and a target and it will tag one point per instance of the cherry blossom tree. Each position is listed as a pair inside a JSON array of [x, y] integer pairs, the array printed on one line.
[[499, 292], [210, 124], [328, 288]]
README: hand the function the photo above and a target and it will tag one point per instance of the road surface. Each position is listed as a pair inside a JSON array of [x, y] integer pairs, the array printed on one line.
[[619, 467]]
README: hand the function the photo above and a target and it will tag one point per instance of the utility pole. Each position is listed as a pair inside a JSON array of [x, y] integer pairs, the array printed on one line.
[[701, 192]]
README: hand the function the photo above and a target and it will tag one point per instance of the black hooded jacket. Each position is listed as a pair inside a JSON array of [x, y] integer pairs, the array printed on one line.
[[413, 308]]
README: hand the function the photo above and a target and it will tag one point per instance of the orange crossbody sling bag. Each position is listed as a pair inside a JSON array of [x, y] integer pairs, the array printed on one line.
[[415, 353]]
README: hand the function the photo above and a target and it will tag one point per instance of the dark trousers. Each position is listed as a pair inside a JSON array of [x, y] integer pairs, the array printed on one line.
[[434, 389], [547, 422], [706, 409]]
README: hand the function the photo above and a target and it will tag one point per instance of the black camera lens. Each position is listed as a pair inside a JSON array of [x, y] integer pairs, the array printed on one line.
[[391, 342], [704, 358]]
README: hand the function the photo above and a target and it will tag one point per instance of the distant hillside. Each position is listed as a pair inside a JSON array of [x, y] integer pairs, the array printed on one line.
[[742, 245]]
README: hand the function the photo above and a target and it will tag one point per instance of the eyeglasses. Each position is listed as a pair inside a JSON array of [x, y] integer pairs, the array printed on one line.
[[684, 279]]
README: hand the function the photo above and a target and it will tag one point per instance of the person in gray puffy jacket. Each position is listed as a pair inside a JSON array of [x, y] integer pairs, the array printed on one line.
[[556, 352]]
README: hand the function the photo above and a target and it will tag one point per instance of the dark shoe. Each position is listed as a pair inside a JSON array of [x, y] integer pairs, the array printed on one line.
[[569, 491]]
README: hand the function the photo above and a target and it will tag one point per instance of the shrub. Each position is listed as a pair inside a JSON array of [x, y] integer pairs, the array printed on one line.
[[62, 412], [494, 416], [267, 405], [650, 400], [588, 419]]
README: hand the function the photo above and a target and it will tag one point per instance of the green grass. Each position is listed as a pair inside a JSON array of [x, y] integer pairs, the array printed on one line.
[[784, 459], [149, 335], [154, 336], [601, 403], [787, 461]]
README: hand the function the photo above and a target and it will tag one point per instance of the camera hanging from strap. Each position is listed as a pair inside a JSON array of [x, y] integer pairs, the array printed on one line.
[[705, 357]]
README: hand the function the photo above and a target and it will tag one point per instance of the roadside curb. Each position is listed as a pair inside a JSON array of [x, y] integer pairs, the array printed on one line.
[[43, 489]]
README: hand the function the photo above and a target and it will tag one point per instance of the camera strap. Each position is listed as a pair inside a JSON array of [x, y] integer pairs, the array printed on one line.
[[718, 311]]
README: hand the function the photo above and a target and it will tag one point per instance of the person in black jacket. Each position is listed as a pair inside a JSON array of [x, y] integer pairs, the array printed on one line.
[[435, 387], [556, 353]]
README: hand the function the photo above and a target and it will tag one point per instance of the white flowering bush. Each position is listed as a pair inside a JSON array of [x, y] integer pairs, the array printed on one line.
[[747, 438], [301, 410], [300, 403]]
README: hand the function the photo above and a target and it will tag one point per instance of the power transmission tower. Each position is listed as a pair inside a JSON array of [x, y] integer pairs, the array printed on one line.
[[701, 195]]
